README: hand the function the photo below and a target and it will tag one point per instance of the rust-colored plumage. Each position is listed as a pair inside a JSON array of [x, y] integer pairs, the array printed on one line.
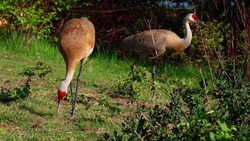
[[76, 43], [156, 43]]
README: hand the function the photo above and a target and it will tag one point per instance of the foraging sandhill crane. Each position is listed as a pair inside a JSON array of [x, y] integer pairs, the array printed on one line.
[[157, 43], [76, 43]]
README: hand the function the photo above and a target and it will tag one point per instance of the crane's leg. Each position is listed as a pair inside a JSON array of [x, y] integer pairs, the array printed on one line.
[[153, 77], [133, 65], [78, 79], [71, 92], [153, 74]]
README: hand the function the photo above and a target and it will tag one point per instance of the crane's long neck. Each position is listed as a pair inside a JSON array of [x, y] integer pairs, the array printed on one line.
[[188, 36], [69, 77], [64, 85]]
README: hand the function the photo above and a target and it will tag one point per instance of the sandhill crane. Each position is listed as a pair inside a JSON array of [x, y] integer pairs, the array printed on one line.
[[76, 43], [156, 43]]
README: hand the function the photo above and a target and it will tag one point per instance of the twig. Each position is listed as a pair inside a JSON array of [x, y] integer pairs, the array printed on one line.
[[147, 119], [216, 41], [108, 11], [205, 88], [133, 131], [208, 61], [114, 32]]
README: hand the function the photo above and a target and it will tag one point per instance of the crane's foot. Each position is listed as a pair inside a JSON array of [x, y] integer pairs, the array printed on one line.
[[72, 115], [73, 110]]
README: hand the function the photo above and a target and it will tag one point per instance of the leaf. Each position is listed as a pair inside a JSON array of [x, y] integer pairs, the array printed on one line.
[[224, 127], [233, 128], [210, 112], [212, 136], [182, 124]]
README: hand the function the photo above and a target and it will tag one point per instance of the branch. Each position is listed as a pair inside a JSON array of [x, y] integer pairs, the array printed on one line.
[[133, 130], [108, 11]]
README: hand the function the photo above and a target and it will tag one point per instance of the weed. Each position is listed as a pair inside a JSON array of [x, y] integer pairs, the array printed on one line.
[[107, 102], [15, 93], [137, 86], [104, 101], [40, 70]]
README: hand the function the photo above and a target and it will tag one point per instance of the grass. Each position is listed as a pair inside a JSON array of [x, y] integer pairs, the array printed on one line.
[[34, 117]]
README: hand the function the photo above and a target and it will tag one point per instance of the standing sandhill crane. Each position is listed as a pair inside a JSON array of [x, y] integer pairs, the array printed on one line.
[[76, 43], [157, 43]]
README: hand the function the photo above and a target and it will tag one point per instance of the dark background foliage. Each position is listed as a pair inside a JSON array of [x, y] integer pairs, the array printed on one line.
[[116, 19]]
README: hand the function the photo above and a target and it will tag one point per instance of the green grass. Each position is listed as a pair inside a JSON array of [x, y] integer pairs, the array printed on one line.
[[34, 117]]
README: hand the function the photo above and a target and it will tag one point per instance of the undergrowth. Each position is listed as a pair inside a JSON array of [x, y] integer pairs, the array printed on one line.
[[136, 87], [16, 93], [40, 70], [194, 114]]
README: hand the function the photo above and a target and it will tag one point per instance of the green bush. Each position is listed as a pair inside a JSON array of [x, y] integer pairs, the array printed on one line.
[[137, 86], [195, 114], [40, 70], [37, 18], [16, 93]]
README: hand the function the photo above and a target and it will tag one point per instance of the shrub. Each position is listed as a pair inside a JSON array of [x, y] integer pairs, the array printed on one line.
[[137, 86], [195, 114], [40, 70], [16, 93]]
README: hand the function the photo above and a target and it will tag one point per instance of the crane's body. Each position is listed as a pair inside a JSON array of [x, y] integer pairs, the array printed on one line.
[[152, 43], [157, 43], [76, 43]]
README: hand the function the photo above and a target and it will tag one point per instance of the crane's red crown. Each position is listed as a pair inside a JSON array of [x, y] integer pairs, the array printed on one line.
[[61, 94], [195, 17]]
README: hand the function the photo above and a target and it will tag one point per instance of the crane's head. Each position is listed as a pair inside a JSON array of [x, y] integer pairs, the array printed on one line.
[[62, 91], [191, 18]]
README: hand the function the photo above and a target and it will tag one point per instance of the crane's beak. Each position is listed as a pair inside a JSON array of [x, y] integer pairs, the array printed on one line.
[[58, 107], [60, 98], [201, 23]]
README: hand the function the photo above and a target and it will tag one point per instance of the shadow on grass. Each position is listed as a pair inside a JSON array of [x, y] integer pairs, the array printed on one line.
[[15, 93], [32, 110]]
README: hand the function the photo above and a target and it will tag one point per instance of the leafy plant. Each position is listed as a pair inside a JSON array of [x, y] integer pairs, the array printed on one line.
[[107, 102], [36, 18], [16, 93], [233, 94], [137, 86], [195, 114], [40, 70], [213, 41]]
